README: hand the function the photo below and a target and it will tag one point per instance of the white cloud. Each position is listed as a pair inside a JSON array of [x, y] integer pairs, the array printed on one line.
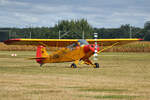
[[26, 18], [4, 2], [12, 2], [99, 13]]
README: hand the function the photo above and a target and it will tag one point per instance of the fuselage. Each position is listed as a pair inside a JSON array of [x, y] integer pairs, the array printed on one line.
[[71, 53]]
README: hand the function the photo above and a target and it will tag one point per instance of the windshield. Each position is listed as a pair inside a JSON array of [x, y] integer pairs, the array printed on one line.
[[80, 43], [83, 42]]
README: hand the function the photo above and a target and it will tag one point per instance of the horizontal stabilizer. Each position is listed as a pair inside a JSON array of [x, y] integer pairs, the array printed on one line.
[[37, 58]]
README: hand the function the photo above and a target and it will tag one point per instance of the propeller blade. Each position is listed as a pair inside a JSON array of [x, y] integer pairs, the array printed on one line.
[[95, 52]]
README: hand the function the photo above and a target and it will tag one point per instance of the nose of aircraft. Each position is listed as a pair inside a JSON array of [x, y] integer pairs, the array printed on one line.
[[90, 47]]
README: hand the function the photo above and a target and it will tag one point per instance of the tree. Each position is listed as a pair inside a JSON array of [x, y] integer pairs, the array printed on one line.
[[147, 36], [74, 28], [147, 31], [147, 25]]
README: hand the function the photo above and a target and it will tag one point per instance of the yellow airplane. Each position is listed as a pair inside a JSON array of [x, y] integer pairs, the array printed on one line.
[[72, 50]]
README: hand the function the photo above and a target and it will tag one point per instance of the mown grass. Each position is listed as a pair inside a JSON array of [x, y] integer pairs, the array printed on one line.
[[122, 76]]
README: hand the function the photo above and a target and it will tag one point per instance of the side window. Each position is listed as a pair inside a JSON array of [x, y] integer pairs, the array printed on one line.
[[72, 46], [83, 42]]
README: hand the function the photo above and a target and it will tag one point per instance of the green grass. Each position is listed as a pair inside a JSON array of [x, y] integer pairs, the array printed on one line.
[[114, 97], [103, 90], [122, 76]]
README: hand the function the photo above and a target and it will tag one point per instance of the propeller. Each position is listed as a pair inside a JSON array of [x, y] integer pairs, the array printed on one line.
[[96, 46]]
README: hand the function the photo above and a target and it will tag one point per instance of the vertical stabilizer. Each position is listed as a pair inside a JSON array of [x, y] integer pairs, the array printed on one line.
[[41, 52]]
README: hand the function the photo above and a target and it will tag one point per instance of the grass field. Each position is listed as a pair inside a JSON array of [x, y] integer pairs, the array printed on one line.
[[122, 76]]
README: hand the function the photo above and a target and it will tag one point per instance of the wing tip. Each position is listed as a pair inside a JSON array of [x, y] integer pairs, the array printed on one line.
[[11, 41], [140, 39]]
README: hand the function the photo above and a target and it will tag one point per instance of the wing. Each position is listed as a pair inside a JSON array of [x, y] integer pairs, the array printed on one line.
[[66, 42], [44, 42], [109, 42]]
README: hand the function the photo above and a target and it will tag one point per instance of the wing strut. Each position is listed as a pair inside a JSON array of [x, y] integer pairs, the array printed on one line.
[[108, 47]]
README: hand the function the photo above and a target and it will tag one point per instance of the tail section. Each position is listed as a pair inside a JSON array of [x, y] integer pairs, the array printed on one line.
[[40, 54]]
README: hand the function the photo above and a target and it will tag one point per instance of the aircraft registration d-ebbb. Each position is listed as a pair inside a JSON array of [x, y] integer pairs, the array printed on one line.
[[72, 50]]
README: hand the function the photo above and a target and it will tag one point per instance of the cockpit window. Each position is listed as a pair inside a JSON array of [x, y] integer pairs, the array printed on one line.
[[83, 42], [72, 45], [80, 43]]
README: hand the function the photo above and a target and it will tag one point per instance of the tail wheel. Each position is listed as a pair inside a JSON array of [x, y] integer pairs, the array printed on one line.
[[96, 65], [41, 64], [73, 65]]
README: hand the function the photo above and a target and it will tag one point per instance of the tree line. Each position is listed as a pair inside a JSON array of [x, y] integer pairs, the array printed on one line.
[[76, 29]]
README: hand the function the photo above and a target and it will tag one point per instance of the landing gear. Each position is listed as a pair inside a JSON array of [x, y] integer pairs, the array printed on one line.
[[89, 62], [41, 64], [96, 65], [86, 61], [73, 65]]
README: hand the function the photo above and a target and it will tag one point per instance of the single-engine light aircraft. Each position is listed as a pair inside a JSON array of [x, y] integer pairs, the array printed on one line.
[[72, 50]]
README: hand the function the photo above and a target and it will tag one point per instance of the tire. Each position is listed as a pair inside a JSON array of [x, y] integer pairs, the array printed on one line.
[[96, 65], [73, 65]]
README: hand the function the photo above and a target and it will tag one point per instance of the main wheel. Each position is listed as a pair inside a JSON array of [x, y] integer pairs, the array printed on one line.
[[73, 65], [96, 65]]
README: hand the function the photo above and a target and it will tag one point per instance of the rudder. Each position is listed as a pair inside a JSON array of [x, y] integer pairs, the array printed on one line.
[[41, 52]]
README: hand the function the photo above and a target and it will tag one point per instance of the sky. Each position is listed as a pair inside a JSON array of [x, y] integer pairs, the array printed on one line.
[[99, 13]]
